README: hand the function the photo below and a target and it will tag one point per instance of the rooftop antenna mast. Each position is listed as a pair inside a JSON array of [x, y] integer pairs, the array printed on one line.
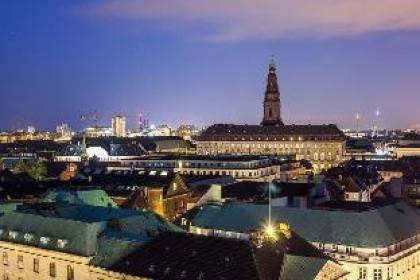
[[377, 113], [357, 124], [269, 203]]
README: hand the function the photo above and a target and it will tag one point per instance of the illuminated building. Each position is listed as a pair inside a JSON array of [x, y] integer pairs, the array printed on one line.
[[71, 242], [378, 243], [187, 131], [96, 132], [408, 146], [255, 168], [323, 145], [118, 126], [64, 132]]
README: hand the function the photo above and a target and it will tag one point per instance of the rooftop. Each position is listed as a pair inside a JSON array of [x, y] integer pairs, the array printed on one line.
[[373, 228], [224, 130], [78, 229], [189, 256]]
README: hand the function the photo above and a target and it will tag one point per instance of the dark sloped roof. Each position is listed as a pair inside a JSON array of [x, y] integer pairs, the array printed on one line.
[[232, 131], [248, 190], [79, 195], [80, 226], [126, 185], [302, 268], [189, 256]]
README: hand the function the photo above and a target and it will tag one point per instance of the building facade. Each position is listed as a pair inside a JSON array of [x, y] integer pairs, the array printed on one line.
[[378, 244], [118, 126]]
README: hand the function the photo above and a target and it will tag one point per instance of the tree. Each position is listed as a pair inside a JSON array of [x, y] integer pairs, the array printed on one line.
[[22, 166], [36, 170]]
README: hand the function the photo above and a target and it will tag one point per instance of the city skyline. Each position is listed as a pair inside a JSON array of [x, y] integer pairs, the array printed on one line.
[[61, 60]]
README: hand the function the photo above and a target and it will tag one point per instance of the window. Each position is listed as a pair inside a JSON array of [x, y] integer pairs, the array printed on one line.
[[20, 262], [36, 265], [390, 272], [6, 276], [5, 258], [61, 243], [52, 270], [377, 274], [70, 273], [362, 273]]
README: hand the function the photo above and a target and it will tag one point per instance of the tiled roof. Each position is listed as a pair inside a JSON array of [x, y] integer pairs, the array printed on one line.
[[80, 229], [374, 228], [301, 267], [224, 131], [197, 257], [79, 195], [248, 190]]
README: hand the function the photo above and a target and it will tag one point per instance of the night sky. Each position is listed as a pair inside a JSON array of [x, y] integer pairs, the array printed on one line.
[[200, 62]]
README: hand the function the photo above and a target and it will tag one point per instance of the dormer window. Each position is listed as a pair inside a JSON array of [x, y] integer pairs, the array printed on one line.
[[61, 243], [44, 240], [13, 234], [174, 186], [28, 237]]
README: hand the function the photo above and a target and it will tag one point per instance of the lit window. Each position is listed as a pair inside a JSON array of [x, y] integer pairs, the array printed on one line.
[[13, 234], [44, 240], [61, 243], [28, 237], [20, 262]]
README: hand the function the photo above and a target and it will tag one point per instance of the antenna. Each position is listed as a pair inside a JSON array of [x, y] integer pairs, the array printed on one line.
[[377, 113], [269, 202], [357, 124]]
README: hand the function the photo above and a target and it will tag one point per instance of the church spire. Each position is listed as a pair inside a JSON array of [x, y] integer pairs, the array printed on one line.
[[272, 114]]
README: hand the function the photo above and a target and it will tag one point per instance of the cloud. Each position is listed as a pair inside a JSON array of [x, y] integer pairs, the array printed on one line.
[[269, 19]]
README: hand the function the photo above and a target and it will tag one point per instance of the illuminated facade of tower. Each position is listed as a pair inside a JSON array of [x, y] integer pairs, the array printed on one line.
[[272, 114], [118, 126]]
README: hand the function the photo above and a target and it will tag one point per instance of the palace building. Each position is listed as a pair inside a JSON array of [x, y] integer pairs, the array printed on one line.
[[323, 145]]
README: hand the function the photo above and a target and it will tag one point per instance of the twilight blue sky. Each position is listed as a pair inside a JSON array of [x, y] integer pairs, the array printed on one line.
[[189, 61]]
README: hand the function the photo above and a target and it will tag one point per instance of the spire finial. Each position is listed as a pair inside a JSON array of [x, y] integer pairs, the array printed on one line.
[[272, 65]]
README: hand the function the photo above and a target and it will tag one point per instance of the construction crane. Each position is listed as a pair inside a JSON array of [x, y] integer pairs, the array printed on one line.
[[90, 117], [141, 121]]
